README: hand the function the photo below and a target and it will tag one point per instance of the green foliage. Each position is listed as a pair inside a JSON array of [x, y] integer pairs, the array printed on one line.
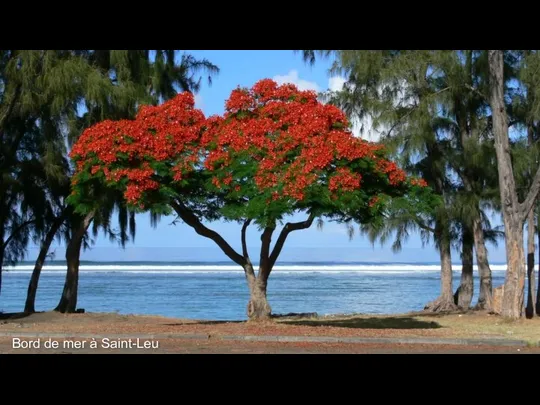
[[42, 96], [430, 107]]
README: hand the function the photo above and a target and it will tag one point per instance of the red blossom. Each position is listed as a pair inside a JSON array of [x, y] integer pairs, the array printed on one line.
[[291, 141], [419, 182], [278, 122], [158, 134], [344, 180]]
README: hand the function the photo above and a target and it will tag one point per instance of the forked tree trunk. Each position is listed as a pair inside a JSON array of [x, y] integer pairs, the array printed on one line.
[[531, 293], [29, 306], [68, 301], [464, 293], [258, 307], [445, 302], [514, 213], [485, 298]]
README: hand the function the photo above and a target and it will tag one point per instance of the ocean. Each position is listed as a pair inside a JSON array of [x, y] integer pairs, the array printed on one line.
[[218, 290]]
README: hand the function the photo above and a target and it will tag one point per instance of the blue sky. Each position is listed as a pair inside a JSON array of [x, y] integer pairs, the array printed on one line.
[[244, 68]]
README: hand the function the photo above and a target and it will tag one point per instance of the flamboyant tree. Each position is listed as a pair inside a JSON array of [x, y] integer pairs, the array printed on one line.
[[276, 151]]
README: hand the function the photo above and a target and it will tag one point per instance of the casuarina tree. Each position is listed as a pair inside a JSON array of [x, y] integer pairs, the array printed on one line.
[[275, 152]]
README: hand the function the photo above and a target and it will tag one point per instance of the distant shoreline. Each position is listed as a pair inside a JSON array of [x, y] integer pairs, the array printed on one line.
[[228, 262], [220, 267]]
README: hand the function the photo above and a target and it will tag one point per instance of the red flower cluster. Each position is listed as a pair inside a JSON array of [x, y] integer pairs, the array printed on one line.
[[344, 180], [296, 139], [126, 149], [287, 138], [374, 200], [419, 182], [395, 174]]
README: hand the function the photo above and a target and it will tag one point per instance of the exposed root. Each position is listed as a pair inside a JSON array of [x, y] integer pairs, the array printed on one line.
[[483, 306], [261, 320], [441, 305]]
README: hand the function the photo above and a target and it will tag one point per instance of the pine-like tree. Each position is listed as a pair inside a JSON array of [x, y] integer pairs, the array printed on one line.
[[41, 95], [425, 104]]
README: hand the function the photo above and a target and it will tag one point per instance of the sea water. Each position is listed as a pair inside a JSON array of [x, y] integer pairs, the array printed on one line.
[[218, 290]]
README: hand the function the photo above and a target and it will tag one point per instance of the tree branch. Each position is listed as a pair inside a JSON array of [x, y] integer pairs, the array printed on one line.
[[527, 205], [244, 245], [475, 90], [287, 229], [16, 231], [264, 264], [190, 219], [423, 226]]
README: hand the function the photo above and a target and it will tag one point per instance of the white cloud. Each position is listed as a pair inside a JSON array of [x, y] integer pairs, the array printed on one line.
[[360, 128], [336, 83], [293, 78]]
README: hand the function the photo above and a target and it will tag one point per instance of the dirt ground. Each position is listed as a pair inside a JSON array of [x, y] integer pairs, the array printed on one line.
[[216, 337]]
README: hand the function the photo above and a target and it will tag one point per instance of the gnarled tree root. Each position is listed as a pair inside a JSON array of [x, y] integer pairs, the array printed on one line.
[[441, 305]]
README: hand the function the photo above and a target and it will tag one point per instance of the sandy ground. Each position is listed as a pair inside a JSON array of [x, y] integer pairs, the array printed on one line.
[[214, 337]]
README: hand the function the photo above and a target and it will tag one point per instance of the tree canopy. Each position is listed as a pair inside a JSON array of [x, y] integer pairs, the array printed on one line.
[[275, 151]]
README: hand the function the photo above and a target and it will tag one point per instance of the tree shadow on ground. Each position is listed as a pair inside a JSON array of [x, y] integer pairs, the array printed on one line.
[[8, 316], [370, 323], [202, 323]]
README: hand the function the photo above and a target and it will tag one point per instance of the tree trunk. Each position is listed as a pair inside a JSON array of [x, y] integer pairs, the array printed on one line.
[[531, 293], [538, 289], [514, 283], [1, 263], [68, 301], [258, 308], [485, 298], [511, 208], [464, 293], [2, 246], [445, 302], [29, 306]]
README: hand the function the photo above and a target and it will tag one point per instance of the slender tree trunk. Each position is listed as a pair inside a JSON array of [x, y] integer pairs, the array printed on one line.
[[485, 298], [531, 293], [68, 301], [2, 246], [531, 285], [538, 289], [512, 210], [464, 293], [29, 306], [445, 302], [1, 263]]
